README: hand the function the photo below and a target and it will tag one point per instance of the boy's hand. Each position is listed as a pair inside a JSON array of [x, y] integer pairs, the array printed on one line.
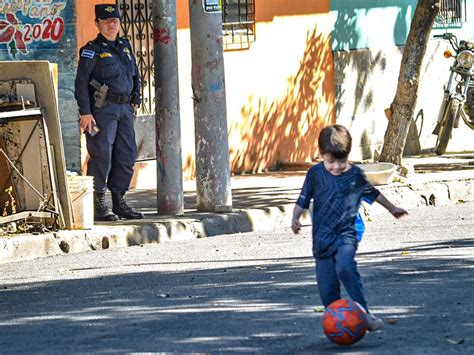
[[398, 212], [295, 226]]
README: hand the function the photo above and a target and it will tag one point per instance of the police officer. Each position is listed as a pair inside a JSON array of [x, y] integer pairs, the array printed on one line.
[[107, 90]]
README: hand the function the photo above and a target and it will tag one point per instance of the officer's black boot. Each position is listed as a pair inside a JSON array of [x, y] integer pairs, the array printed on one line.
[[121, 209], [101, 211]]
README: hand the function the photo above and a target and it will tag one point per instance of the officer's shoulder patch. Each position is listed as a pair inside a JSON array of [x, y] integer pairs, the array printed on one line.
[[105, 55], [87, 53]]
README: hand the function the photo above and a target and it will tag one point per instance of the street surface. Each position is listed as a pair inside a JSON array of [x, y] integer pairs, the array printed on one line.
[[247, 293]]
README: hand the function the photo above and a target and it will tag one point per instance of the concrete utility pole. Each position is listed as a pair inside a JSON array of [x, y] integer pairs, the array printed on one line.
[[210, 118], [168, 129]]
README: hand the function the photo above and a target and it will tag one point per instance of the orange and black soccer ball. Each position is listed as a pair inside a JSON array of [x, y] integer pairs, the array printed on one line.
[[345, 322]]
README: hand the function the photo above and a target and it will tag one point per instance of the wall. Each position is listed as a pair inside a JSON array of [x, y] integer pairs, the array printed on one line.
[[280, 92], [370, 23], [45, 30], [282, 89], [312, 62], [367, 57]]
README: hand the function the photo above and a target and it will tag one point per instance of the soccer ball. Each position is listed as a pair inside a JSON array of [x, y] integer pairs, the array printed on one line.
[[345, 322]]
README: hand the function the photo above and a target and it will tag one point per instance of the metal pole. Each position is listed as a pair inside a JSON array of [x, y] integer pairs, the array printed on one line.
[[210, 118], [168, 130]]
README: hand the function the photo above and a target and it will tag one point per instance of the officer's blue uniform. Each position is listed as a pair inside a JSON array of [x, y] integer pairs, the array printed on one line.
[[113, 150]]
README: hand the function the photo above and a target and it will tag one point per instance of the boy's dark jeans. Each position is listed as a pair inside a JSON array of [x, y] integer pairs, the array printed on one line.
[[341, 267]]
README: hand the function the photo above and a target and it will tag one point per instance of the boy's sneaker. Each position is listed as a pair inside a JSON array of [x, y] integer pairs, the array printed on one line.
[[374, 323]]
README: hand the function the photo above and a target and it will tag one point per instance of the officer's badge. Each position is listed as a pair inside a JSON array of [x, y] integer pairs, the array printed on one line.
[[87, 53], [109, 9], [105, 55], [126, 50]]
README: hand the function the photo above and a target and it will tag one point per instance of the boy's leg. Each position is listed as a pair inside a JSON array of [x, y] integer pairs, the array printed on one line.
[[328, 283], [346, 269]]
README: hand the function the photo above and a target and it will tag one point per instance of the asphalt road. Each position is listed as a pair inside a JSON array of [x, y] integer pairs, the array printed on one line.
[[246, 293]]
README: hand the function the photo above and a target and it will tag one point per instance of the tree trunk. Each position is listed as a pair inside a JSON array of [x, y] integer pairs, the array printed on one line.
[[403, 105]]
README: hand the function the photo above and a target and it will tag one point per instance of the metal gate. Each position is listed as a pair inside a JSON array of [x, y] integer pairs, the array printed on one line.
[[137, 26], [238, 22]]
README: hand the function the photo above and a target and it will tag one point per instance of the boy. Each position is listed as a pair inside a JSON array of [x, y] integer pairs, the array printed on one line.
[[337, 188]]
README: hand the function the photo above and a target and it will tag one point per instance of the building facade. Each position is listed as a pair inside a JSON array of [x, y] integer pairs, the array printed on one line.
[[291, 68]]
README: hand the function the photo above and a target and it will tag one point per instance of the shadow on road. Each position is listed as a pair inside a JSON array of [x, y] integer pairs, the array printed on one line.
[[264, 305]]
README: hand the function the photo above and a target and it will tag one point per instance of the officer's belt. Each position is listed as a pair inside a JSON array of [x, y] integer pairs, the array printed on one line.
[[118, 99]]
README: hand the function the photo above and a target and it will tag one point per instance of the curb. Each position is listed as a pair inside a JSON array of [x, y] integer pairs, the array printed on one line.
[[26, 247]]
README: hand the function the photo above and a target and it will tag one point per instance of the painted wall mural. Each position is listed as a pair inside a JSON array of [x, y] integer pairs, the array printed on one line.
[[26, 23]]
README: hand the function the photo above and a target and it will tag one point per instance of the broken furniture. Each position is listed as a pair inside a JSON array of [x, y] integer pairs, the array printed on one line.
[[34, 86], [28, 186]]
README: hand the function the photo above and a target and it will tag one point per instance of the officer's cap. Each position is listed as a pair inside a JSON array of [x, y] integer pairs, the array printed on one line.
[[105, 11]]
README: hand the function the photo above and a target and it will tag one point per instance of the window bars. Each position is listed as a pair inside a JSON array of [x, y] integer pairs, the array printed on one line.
[[238, 23], [238, 26], [452, 13], [137, 27]]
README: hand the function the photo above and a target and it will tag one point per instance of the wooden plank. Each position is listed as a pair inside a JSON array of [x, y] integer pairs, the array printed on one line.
[[30, 152], [10, 134], [24, 215], [6, 182], [31, 162]]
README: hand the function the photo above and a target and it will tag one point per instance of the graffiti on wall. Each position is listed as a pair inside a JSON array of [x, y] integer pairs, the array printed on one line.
[[24, 23]]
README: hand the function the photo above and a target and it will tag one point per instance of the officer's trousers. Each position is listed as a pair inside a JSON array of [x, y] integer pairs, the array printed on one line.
[[113, 150]]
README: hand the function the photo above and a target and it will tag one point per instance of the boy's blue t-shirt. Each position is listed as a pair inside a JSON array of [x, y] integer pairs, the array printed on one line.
[[359, 222], [336, 201]]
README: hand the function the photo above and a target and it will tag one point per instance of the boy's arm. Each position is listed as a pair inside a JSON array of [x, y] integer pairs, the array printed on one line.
[[295, 221], [303, 200], [397, 212]]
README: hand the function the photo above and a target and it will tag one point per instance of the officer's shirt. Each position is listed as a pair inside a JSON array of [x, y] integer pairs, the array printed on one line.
[[110, 63]]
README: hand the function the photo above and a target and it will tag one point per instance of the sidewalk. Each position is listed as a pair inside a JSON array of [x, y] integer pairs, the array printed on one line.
[[260, 202]]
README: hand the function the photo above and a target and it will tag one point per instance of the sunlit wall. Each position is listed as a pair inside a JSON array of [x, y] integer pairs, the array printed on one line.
[[367, 41]]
